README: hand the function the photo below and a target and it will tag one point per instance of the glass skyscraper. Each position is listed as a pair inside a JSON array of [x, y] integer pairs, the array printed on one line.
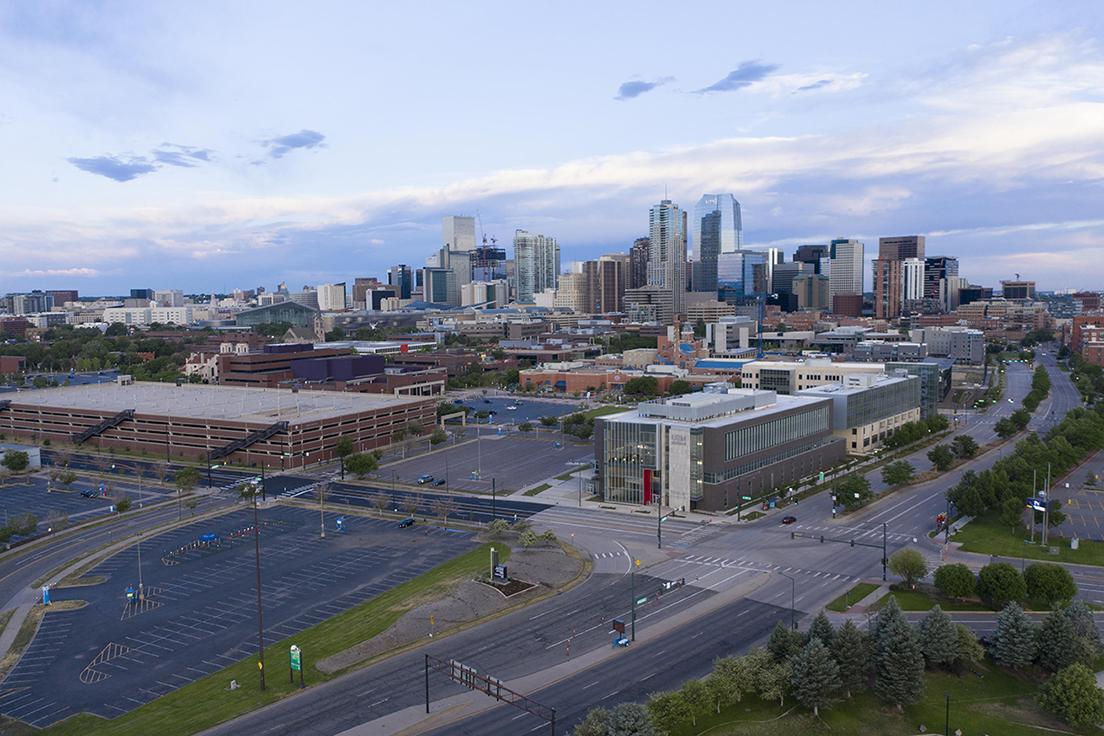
[[742, 273], [717, 228], [667, 250]]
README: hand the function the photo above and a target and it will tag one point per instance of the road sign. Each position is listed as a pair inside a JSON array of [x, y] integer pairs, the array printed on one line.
[[641, 601], [295, 658], [45, 595], [500, 572], [745, 498]]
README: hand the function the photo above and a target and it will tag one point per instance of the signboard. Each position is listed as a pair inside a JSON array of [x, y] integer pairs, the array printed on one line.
[[820, 477], [647, 486], [619, 626], [295, 658], [745, 498], [45, 595], [500, 573]]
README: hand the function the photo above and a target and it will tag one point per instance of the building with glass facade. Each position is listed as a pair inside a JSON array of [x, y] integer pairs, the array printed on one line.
[[667, 251], [706, 450], [868, 408], [741, 274], [716, 228], [537, 261]]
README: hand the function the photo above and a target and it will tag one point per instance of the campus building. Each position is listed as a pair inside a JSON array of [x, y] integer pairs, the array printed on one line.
[[789, 377], [275, 428], [868, 408], [706, 450]]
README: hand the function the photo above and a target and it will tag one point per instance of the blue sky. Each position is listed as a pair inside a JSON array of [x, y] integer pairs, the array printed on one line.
[[214, 145]]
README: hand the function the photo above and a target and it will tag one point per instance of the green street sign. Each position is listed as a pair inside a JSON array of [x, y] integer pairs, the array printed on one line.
[[746, 498], [820, 478], [641, 601], [296, 658]]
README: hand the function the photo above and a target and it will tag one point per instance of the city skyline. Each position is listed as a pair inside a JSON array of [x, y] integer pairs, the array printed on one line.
[[192, 162]]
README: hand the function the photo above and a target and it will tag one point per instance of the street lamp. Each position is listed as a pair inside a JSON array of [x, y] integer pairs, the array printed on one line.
[[260, 605]]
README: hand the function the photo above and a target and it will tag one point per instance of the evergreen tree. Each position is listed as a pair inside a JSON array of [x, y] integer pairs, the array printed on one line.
[[821, 628], [970, 651], [1084, 626], [784, 642], [938, 638], [852, 652], [815, 676], [899, 663], [1056, 645], [1014, 641], [889, 613], [631, 719]]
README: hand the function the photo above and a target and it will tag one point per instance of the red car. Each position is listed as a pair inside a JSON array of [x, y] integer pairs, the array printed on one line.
[[789, 519]]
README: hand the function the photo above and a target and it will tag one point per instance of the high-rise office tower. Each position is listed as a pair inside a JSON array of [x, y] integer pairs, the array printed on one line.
[[845, 267], [613, 271], [458, 232], [912, 271], [717, 228], [440, 286], [817, 256], [667, 251], [937, 269], [889, 272], [537, 259], [332, 297], [401, 278], [638, 263], [457, 261], [741, 274], [775, 256]]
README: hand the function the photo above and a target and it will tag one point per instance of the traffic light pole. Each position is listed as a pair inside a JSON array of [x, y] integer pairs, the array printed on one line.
[[632, 589], [884, 546]]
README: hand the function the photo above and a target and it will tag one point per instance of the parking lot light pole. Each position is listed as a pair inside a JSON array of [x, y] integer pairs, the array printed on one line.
[[494, 501], [260, 605]]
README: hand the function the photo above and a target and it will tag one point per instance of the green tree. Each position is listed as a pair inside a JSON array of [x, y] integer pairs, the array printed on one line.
[[852, 491], [525, 427], [771, 678], [343, 448], [16, 461], [123, 505], [596, 723], [631, 719], [186, 480], [970, 651], [1049, 583], [1014, 640], [669, 711], [679, 387], [642, 386], [938, 638], [699, 328], [547, 421], [698, 697], [726, 682], [1084, 624], [955, 581], [1011, 514], [999, 583], [898, 473], [888, 614], [439, 435], [784, 642], [1005, 428], [909, 564], [851, 650], [898, 664], [1073, 696], [941, 457], [821, 628], [1056, 645], [965, 446], [815, 677], [361, 464]]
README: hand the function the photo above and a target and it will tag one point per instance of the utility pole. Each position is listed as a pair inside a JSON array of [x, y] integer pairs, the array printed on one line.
[[793, 600], [885, 556], [140, 567], [632, 590], [1034, 497], [321, 488], [263, 489], [947, 524], [260, 605], [1046, 508], [494, 501], [659, 523]]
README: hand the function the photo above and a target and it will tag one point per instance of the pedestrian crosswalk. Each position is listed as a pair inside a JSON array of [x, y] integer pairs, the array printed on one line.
[[849, 532], [760, 566], [608, 555]]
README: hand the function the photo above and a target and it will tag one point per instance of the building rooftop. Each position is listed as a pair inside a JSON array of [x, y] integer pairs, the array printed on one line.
[[199, 401], [855, 385], [714, 408]]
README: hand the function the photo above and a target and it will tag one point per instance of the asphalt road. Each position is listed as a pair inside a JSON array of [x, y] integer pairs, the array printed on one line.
[[126, 467]]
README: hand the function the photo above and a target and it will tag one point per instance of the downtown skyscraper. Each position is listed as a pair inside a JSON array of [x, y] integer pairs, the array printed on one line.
[[717, 228], [667, 251], [537, 260]]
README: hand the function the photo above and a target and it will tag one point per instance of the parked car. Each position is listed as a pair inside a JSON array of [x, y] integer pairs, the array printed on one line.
[[511, 407], [439, 482], [423, 479], [409, 521], [91, 493], [789, 519]]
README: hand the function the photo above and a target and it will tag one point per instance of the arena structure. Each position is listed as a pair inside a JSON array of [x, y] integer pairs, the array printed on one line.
[[272, 428]]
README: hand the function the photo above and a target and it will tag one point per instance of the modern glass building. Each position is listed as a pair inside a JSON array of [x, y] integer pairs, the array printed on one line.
[[740, 274], [705, 450], [537, 259], [717, 228], [667, 250]]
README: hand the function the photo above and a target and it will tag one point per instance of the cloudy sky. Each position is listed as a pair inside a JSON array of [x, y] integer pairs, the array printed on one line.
[[213, 145]]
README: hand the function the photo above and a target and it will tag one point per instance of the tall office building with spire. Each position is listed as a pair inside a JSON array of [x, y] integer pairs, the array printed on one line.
[[717, 228], [667, 251]]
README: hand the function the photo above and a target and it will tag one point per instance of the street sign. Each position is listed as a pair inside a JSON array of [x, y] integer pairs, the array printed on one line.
[[500, 572], [295, 658], [641, 601], [745, 498], [45, 595]]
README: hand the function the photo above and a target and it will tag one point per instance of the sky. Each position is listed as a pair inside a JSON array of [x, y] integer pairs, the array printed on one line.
[[217, 145]]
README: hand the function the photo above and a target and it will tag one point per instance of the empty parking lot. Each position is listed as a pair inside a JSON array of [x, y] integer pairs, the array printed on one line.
[[199, 614]]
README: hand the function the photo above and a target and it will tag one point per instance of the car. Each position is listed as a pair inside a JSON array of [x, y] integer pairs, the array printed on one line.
[[92, 493], [486, 401], [439, 482], [408, 521], [511, 407], [423, 479], [789, 519]]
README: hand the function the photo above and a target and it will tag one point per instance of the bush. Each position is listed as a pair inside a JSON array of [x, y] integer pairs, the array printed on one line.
[[439, 435], [999, 584], [16, 461], [955, 581], [525, 427], [123, 506], [1073, 696], [1049, 583], [909, 564]]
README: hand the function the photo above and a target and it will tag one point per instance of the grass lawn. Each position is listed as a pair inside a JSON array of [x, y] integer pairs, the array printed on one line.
[[851, 597], [988, 536], [537, 489], [994, 703], [918, 600], [565, 476], [208, 701]]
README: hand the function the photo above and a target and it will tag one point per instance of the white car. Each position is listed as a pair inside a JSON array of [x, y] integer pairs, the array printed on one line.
[[511, 407]]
